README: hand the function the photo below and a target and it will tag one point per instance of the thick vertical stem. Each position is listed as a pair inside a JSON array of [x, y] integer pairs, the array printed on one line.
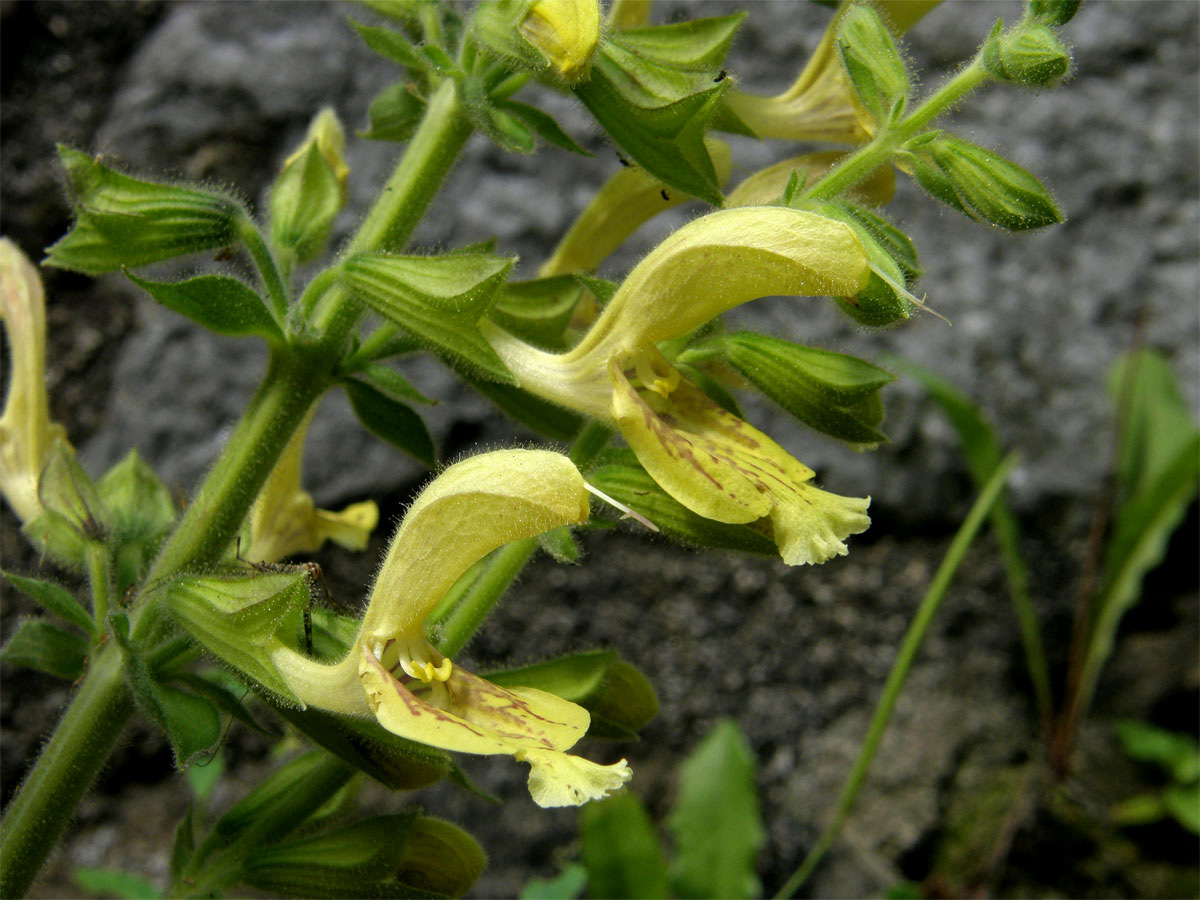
[[68, 765]]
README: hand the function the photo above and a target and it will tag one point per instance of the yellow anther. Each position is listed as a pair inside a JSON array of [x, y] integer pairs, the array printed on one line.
[[651, 379]]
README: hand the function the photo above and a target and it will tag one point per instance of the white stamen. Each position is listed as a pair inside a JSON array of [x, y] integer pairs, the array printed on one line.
[[628, 513]]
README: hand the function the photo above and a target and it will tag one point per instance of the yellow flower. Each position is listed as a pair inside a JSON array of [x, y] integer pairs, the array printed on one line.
[[285, 521], [628, 200], [566, 33], [820, 105], [395, 674], [26, 433], [707, 459]]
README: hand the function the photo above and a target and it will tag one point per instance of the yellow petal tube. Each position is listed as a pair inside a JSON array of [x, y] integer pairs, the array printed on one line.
[[395, 674], [820, 105], [628, 200], [26, 433], [284, 520], [723, 469]]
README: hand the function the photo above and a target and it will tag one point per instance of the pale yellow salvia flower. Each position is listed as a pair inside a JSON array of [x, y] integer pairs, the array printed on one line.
[[284, 520], [393, 672], [820, 105], [566, 33], [26, 433], [709, 460]]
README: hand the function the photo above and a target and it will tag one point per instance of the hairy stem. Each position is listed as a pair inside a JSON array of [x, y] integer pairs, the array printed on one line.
[[862, 162]]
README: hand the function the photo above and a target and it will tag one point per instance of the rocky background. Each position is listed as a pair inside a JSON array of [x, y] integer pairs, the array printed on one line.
[[221, 92]]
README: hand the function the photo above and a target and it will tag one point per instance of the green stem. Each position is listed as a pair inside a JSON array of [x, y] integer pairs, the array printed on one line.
[[862, 162], [83, 739], [66, 768], [913, 640], [430, 156], [211, 520], [99, 568], [267, 270], [315, 291]]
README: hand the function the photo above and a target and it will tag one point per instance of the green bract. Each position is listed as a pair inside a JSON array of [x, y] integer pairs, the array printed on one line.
[[122, 221], [982, 184], [873, 62]]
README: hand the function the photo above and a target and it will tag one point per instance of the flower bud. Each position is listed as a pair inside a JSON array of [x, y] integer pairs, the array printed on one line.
[[1031, 56], [311, 188], [553, 39]]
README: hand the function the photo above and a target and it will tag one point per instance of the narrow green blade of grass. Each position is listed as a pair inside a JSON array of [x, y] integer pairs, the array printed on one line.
[[900, 668], [983, 451]]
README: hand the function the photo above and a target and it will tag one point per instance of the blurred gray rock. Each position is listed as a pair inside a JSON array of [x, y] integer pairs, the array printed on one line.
[[221, 92]]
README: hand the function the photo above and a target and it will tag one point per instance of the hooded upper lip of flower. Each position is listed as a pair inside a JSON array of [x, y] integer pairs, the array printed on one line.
[[394, 673], [709, 460], [26, 433]]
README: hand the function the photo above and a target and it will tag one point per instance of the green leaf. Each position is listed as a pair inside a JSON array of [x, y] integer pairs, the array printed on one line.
[[56, 600], [983, 452], [566, 885], [715, 822], [657, 114], [874, 64], [620, 476], [538, 311], [1183, 802], [438, 299], [508, 130], [394, 114], [393, 384], [219, 303], [115, 883], [543, 124], [183, 845], [699, 45], [47, 648], [621, 851], [1176, 752], [825, 390], [191, 723], [141, 510], [391, 420], [560, 544], [394, 46], [402, 855], [391, 760], [123, 221], [202, 778], [210, 686], [1159, 422], [621, 699], [1140, 809], [542, 416]]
